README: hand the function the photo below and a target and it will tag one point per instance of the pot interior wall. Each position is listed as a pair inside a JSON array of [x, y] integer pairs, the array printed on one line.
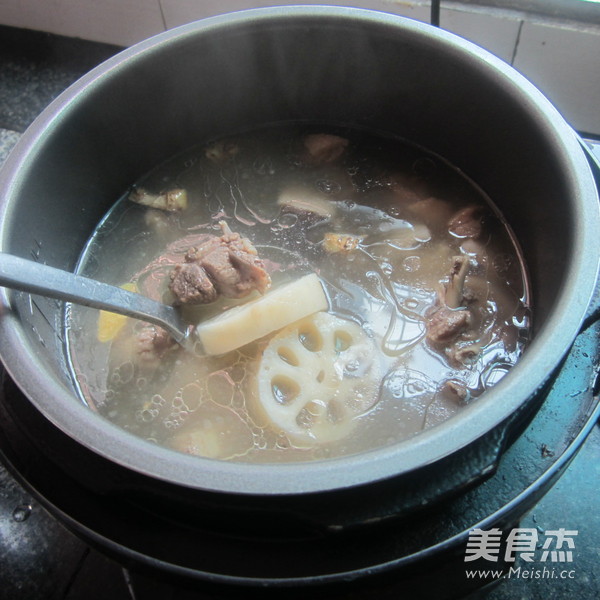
[[184, 90]]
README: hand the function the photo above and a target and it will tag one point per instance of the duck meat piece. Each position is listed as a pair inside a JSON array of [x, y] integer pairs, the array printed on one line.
[[446, 324], [227, 266], [173, 200], [152, 343], [222, 151], [323, 148], [456, 390], [453, 292], [464, 353], [451, 318], [468, 222], [153, 279], [190, 284]]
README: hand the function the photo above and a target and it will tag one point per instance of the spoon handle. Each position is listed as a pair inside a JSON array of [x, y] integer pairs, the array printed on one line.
[[29, 276]]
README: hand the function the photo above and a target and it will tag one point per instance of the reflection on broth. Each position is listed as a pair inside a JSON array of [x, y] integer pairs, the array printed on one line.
[[424, 306]]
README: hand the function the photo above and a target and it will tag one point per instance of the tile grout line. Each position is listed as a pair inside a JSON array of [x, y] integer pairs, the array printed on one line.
[[162, 14], [128, 583], [76, 572], [517, 41]]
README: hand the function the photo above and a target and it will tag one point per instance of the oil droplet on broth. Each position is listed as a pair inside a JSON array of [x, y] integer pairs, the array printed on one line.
[[411, 263]]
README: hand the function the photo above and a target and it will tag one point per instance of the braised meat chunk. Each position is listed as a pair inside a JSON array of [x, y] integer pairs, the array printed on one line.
[[451, 317], [323, 148], [447, 324], [173, 200], [227, 266], [190, 283], [468, 222], [152, 343]]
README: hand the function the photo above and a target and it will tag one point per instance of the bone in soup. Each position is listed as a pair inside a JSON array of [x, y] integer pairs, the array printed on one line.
[[350, 290]]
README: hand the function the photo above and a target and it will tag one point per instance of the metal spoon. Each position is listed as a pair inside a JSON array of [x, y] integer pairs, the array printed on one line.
[[29, 276]]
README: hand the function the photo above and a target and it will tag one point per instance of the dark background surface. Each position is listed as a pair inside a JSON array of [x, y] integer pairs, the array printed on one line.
[[40, 560]]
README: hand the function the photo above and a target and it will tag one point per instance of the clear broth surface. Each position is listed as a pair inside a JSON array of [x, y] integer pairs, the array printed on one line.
[[393, 202]]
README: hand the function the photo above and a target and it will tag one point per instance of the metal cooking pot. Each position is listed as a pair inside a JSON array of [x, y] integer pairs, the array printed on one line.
[[333, 65]]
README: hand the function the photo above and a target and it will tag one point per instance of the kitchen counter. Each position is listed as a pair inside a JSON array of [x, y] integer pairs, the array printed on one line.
[[40, 559]]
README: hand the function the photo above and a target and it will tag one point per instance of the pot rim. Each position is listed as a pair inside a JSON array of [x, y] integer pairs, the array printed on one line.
[[541, 358]]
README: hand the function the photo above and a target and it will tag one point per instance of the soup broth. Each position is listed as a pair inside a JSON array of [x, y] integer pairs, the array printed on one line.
[[426, 297]]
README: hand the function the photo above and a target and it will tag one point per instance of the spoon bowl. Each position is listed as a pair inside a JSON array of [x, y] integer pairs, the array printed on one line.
[[29, 276]]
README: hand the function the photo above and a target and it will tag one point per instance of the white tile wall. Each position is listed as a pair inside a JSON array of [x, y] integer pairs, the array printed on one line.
[[178, 12], [496, 34], [564, 62], [492, 31]]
